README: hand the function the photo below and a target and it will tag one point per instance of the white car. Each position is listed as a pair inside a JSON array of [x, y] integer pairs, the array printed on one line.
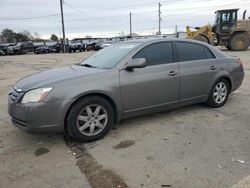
[[106, 44]]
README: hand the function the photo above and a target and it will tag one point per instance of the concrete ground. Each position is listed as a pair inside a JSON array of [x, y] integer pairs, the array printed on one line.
[[189, 147]]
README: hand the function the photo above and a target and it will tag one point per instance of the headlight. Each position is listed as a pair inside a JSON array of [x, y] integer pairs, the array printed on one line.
[[36, 95]]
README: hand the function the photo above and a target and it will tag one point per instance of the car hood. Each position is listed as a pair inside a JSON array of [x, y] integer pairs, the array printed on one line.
[[51, 77]]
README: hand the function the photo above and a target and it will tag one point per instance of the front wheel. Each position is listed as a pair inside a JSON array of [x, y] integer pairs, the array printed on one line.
[[219, 94], [90, 119]]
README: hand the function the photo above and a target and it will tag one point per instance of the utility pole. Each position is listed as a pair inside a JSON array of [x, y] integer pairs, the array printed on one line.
[[159, 14], [176, 31], [63, 30], [130, 24]]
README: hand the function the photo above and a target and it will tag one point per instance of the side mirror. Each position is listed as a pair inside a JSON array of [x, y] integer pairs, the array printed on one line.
[[136, 63]]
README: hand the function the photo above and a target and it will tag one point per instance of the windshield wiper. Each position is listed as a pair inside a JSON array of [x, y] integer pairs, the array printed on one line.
[[87, 65]]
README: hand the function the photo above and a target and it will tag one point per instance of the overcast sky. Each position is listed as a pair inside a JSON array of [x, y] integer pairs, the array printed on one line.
[[109, 17]]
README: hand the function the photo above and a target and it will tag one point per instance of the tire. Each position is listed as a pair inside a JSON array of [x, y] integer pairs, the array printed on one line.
[[213, 99], [80, 121], [239, 42], [201, 38], [228, 47]]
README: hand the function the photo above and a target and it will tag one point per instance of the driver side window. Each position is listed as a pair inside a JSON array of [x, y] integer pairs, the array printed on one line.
[[157, 54]]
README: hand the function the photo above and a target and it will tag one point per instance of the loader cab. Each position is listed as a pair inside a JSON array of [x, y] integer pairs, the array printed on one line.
[[225, 21]]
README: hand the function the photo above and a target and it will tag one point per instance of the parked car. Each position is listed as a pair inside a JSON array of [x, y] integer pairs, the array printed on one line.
[[41, 50], [106, 44], [98, 45], [21, 48], [3, 48], [103, 44], [2, 52], [90, 46], [124, 80], [57, 47], [76, 45], [48, 49]]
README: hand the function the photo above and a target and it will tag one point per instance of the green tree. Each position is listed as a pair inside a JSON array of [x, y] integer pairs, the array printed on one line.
[[54, 37], [8, 34], [20, 37], [27, 34]]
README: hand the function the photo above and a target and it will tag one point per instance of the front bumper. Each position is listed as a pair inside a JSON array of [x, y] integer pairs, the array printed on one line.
[[39, 117]]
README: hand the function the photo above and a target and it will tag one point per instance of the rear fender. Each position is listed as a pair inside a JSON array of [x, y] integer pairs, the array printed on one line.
[[219, 75]]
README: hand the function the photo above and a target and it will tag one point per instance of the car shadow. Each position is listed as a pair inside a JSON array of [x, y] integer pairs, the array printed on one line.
[[138, 120]]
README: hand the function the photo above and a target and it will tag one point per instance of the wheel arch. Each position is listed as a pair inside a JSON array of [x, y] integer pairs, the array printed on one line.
[[226, 77], [240, 32], [100, 94], [229, 82]]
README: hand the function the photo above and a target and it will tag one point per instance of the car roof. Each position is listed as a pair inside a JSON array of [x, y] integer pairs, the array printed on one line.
[[148, 41], [218, 53]]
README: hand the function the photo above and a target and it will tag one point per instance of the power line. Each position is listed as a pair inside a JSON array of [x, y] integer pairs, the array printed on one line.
[[114, 16], [30, 18], [77, 10], [139, 4]]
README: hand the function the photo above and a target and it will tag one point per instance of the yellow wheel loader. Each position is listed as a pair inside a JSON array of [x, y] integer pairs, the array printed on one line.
[[227, 31]]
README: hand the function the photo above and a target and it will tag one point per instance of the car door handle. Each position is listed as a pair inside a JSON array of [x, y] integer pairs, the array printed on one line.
[[213, 67], [172, 73]]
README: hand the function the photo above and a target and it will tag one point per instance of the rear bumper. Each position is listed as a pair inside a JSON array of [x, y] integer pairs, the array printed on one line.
[[39, 117]]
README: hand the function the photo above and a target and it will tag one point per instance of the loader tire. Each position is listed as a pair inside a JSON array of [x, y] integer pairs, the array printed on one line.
[[239, 42]]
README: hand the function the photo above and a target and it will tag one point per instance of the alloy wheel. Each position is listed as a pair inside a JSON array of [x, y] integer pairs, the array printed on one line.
[[220, 92], [92, 119]]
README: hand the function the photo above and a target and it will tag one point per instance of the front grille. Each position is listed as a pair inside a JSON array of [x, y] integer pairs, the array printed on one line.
[[15, 94]]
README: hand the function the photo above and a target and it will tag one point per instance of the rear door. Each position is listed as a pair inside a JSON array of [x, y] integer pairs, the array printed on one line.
[[198, 66], [154, 86]]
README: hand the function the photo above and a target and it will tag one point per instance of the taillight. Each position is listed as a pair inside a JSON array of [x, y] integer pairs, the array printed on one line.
[[240, 62]]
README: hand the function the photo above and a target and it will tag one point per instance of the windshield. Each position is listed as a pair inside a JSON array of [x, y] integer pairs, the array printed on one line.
[[225, 17], [110, 56]]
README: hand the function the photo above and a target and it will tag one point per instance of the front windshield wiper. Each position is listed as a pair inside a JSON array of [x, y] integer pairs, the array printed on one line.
[[87, 65], [91, 66]]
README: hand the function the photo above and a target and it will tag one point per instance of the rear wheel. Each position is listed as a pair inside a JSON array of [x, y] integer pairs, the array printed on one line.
[[201, 38], [239, 42], [90, 119], [219, 94]]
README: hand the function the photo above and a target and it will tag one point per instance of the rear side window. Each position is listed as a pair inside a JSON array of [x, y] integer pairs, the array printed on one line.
[[209, 54], [190, 51], [156, 54]]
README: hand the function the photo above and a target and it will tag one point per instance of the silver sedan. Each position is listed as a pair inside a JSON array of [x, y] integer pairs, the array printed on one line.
[[124, 80]]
